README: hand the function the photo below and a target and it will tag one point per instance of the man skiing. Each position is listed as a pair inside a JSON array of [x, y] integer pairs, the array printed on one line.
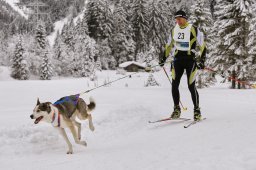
[[181, 46]]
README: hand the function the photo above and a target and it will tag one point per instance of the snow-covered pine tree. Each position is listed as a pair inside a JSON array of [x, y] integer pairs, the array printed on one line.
[[122, 24], [151, 81], [46, 71], [123, 49], [68, 35], [83, 64], [232, 26], [91, 17], [3, 49], [122, 42], [42, 49], [81, 26], [20, 69], [99, 19], [201, 18], [98, 64], [140, 24], [40, 37], [61, 57], [150, 57], [168, 9], [106, 20], [32, 51], [105, 55], [158, 25], [57, 46], [212, 7], [217, 50], [250, 65]]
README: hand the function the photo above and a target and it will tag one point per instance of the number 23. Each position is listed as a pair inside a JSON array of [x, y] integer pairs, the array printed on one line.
[[181, 35]]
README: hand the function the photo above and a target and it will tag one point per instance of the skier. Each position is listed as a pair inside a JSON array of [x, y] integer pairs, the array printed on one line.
[[181, 46]]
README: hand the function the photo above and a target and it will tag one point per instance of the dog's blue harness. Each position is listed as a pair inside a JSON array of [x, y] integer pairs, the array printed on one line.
[[67, 99]]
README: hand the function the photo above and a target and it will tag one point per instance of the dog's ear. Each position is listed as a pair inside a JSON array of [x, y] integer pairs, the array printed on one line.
[[38, 102]]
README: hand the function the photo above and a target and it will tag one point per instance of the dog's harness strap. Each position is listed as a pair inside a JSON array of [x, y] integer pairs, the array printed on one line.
[[77, 97], [58, 119], [53, 119]]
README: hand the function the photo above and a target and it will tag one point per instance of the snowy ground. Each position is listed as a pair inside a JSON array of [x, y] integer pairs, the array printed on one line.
[[123, 140]]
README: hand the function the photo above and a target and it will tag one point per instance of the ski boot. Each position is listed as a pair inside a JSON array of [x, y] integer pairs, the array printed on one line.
[[176, 113], [197, 114]]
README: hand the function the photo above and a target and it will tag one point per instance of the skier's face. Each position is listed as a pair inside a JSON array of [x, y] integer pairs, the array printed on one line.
[[181, 21]]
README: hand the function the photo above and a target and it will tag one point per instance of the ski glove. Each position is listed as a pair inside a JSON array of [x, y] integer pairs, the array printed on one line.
[[200, 65], [161, 64], [148, 69]]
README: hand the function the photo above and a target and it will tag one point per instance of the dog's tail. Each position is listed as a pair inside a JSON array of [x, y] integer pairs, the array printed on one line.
[[92, 104]]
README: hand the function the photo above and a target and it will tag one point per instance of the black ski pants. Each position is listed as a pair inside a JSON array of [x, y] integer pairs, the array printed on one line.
[[178, 67]]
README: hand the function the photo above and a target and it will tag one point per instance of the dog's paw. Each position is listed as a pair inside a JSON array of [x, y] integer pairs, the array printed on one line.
[[92, 128], [83, 143], [79, 137], [69, 152]]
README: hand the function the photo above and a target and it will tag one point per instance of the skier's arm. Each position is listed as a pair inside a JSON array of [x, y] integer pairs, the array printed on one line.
[[169, 47]]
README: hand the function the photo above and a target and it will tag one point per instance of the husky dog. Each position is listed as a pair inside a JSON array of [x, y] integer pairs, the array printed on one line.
[[64, 114]]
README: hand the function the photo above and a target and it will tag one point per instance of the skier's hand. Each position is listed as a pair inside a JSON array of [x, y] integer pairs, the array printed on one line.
[[200, 65], [161, 64], [148, 69]]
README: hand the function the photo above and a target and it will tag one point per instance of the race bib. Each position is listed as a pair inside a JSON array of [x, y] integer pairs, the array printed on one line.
[[182, 38]]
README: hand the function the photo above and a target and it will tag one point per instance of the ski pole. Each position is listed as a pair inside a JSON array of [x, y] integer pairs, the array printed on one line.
[[232, 78], [184, 108]]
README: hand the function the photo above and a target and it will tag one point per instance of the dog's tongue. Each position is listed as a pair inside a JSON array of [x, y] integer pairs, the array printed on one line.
[[38, 120]]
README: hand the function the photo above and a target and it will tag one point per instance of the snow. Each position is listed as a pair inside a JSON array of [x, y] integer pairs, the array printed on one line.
[[5, 74], [125, 64], [12, 3], [123, 138], [57, 28]]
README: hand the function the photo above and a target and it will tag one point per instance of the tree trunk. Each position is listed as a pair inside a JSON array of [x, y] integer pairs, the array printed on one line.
[[233, 76], [239, 84]]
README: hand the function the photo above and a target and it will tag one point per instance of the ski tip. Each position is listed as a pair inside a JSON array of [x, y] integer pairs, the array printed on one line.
[[194, 122]]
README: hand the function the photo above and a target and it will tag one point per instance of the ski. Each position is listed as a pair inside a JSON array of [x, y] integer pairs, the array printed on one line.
[[166, 119], [193, 122]]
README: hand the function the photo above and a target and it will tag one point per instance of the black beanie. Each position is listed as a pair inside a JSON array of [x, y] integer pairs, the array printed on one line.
[[181, 13]]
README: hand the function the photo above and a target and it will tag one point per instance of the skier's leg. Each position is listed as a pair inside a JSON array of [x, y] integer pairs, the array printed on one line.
[[177, 72], [191, 76], [191, 71]]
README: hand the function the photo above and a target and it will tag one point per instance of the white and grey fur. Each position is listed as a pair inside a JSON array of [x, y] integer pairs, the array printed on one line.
[[68, 114]]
